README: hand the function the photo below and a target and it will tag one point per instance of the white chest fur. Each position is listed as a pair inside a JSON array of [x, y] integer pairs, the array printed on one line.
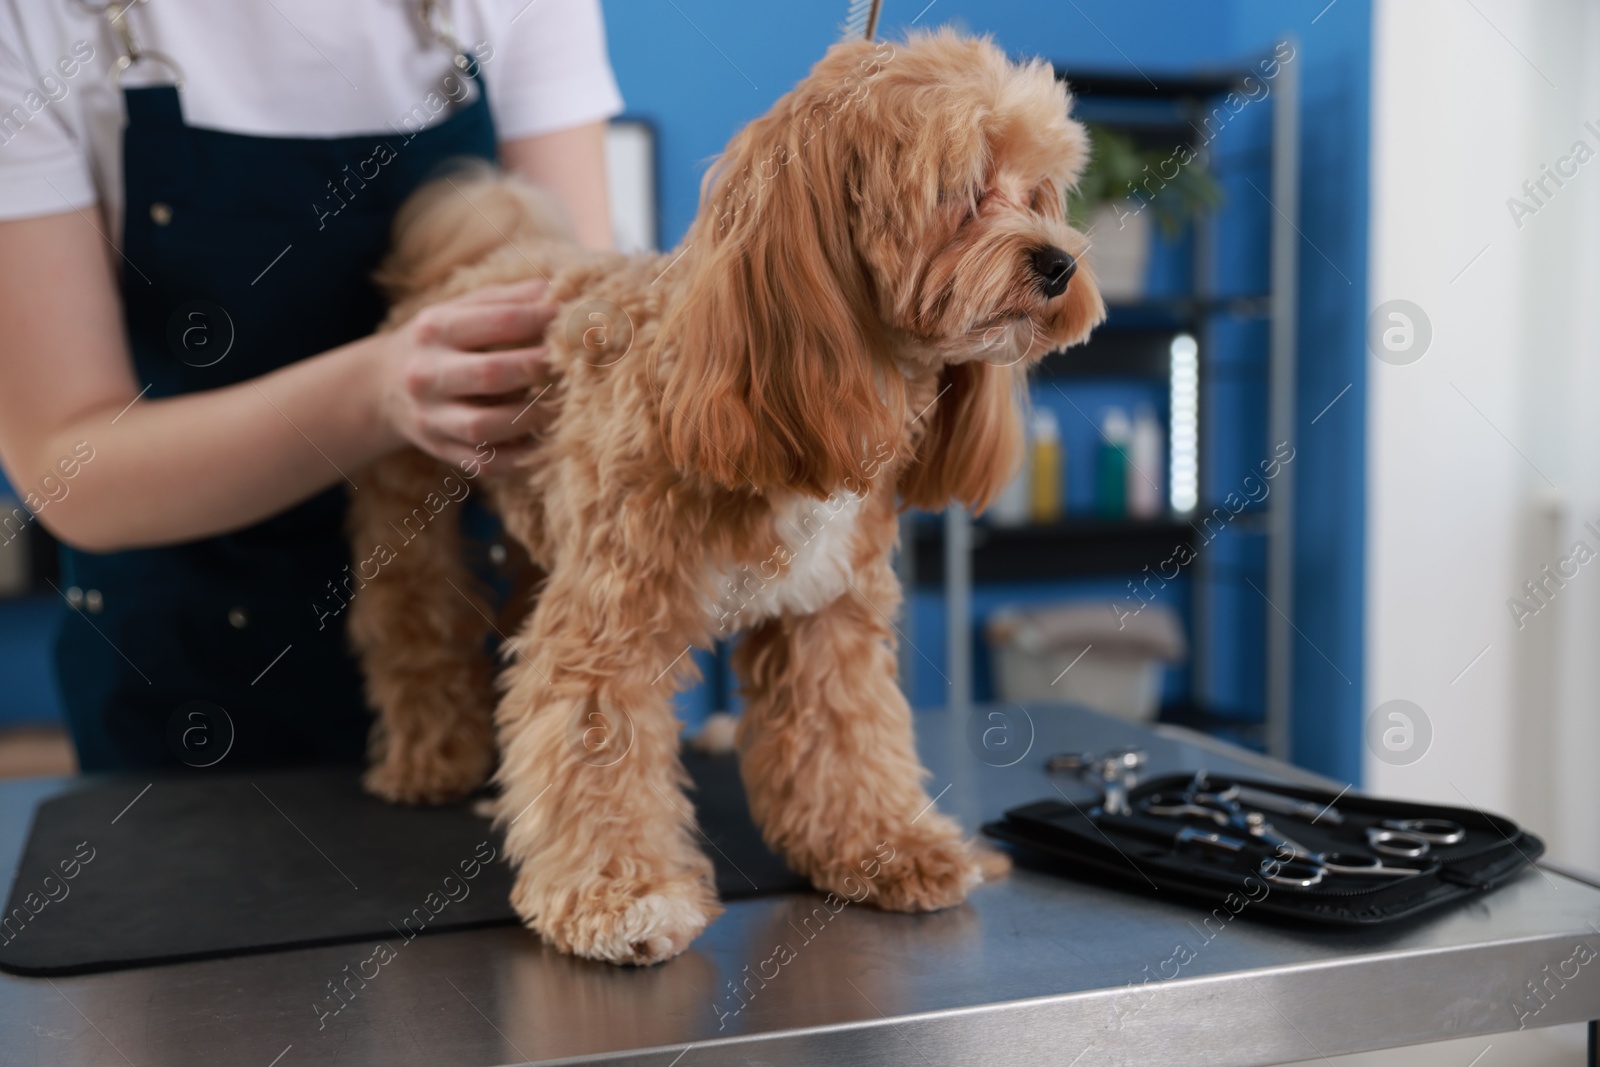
[[808, 571]]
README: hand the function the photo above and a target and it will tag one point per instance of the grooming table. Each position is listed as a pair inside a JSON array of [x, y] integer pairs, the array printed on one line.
[[1035, 969]]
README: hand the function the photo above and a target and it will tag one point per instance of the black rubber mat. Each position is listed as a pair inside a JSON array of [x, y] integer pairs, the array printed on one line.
[[119, 874]]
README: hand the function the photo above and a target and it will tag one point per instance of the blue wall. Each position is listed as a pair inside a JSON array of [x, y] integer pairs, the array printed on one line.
[[699, 69]]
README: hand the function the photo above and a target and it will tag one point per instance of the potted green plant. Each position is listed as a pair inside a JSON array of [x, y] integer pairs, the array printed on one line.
[[1128, 190]]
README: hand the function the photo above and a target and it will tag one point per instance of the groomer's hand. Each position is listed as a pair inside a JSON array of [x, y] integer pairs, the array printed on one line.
[[449, 383]]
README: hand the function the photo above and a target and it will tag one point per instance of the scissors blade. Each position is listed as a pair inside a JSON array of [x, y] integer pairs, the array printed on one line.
[[1308, 810]]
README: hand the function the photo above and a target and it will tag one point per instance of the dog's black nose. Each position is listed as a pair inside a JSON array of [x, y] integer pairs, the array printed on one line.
[[1054, 268]]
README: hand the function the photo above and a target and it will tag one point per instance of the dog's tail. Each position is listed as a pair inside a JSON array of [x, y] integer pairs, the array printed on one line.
[[458, 219]]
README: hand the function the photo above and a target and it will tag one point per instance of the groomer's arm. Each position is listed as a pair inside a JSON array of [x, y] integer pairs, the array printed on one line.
[[571, 164], [171, 470]]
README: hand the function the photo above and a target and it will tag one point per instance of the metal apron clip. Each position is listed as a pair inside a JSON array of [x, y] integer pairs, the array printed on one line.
[[129, 52], [436, 20]]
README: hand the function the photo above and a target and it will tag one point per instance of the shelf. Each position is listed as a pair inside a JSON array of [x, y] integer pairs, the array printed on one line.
[[1153, 109], [1078, 546], [1143, 352], [1160, 86], [1182, 310], [1135, 340]]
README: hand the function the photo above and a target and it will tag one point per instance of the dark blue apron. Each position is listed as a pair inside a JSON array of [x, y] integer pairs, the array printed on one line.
[[261, 248]]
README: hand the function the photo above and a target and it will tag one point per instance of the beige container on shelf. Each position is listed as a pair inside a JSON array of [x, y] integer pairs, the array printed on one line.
[[1122, 236], [1083, 653]]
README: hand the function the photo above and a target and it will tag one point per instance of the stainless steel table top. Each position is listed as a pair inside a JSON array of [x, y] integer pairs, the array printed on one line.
[[1033, 970]]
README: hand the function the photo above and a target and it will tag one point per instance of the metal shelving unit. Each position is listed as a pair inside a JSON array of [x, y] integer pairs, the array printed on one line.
[[1135, 343]]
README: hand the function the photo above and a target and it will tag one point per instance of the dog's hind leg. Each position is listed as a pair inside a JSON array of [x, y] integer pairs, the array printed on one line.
[[419, 624], [829, 761], [592, 791]]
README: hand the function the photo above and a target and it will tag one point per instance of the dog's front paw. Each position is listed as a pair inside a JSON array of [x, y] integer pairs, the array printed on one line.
[[427, 778], [604, 921], [916, 869], [926, 875]]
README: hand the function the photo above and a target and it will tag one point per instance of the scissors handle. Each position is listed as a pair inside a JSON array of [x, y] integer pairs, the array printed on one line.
[[1362, 866], [1297, 874], [1168, 807], [1387, 842]]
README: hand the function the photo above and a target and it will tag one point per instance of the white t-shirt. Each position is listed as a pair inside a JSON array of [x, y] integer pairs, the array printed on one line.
[[285, 68]]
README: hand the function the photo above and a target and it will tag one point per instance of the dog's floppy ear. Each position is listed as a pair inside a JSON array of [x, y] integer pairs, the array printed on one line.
[[974, 443], [773, 382]]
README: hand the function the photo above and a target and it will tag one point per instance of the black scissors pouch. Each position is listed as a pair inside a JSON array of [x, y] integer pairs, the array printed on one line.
[[1249, 874]]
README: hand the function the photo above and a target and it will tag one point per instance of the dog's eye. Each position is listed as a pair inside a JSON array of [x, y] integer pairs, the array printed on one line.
[[1036, 198]]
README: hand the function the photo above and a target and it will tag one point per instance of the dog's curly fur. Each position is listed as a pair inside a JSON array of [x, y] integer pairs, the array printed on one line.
[[849, 321]]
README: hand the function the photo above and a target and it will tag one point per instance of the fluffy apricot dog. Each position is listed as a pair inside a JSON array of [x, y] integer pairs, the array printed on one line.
[[844, 331]]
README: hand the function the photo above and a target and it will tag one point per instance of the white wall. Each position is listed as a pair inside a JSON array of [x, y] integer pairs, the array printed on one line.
[[1484, 455]]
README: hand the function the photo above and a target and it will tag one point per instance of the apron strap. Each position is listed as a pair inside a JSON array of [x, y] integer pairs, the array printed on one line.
[[154, 106]]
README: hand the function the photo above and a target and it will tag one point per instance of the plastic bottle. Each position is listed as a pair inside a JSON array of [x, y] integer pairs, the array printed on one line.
[[1014, 505], [1111, 465], [1146, 497], [1045, 467]]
